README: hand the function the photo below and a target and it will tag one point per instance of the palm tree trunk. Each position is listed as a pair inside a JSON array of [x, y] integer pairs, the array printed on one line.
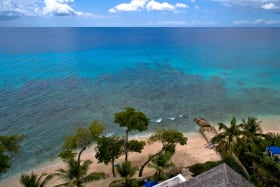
[[113, 168], [144, 165], [125, 145], [80, 154], [79, 164], [241, 165]]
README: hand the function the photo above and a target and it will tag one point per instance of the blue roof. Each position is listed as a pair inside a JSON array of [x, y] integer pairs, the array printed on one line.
[[273, 149], [150, 183]]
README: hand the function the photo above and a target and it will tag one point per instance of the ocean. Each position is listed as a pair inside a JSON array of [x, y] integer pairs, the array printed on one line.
[[54, 80]]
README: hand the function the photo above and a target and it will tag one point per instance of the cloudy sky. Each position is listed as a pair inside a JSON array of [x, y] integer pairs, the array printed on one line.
[[147, 13]]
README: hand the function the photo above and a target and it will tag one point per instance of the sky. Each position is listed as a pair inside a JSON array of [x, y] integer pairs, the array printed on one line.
[[139, 13]]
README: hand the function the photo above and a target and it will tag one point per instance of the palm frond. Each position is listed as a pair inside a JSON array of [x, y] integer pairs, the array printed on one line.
[[94, 176]]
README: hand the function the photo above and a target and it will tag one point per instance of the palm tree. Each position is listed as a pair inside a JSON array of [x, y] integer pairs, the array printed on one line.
[[266, 171], [76, 174], [126, 171], [33, 180], [227, 141], [161, 163], [251, 129], [273, 138]]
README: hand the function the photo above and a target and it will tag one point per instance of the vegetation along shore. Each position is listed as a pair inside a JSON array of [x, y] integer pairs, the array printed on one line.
[[88, 158]]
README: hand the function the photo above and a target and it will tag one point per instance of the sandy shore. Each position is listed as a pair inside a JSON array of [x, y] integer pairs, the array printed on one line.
[[192, 153]]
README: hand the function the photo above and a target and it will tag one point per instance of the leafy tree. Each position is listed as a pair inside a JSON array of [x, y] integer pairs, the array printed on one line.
[[227, 141], [135, 146], [83, 139], [169, 138], [34, 180], [76, 173], [161, 163], [126, 171], [131, 120], [108, 149], [9, 145]]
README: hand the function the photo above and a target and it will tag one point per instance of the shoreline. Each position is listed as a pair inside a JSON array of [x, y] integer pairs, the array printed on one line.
[[192, 153]]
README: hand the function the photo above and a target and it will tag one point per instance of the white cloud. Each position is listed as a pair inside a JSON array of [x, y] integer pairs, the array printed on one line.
[[134, 5], [241, 22], [181, 5], [153, 5], [257, 22], [61, 8], [54, 7], [149, 5], [264, 4], [171, 23], [18, 8], [196, 7], [269, 6], [273, 22], [193, 1]]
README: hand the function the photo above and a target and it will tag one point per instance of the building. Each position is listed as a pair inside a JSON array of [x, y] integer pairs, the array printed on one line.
[[219, 176]]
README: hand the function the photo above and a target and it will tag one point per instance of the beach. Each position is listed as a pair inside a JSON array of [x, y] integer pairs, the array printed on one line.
[[192, 153], [187, 155]]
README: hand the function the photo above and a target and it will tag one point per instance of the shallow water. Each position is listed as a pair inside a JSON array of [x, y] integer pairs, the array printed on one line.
[[54, 80]]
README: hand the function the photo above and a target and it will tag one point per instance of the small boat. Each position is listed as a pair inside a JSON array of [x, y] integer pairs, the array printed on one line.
[[207, 130]]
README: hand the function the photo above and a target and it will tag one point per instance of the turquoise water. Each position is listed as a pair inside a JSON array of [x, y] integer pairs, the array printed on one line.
[[54, 80]]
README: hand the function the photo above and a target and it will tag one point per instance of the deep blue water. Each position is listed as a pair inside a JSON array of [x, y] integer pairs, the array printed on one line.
[[54, 80]]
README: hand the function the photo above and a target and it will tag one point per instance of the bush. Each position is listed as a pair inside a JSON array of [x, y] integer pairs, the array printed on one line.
[[200, 168]]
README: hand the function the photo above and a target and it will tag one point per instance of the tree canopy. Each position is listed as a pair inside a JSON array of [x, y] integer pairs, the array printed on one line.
[[132, 120], [168, 138], [108, 149], [82, 139], [9, 145], [76, 173]]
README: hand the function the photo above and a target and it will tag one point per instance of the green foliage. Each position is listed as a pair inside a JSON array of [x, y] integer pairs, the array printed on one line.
[[108, 149], [130, 183], [168, 138], [76, 174], [84, 137], [242, 148], [33, 180], [66, 155], [161, 163], [9, 145], [201, 168], [272, 138], [228, 138], [126, 170], [132, 120], [135, 146]]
